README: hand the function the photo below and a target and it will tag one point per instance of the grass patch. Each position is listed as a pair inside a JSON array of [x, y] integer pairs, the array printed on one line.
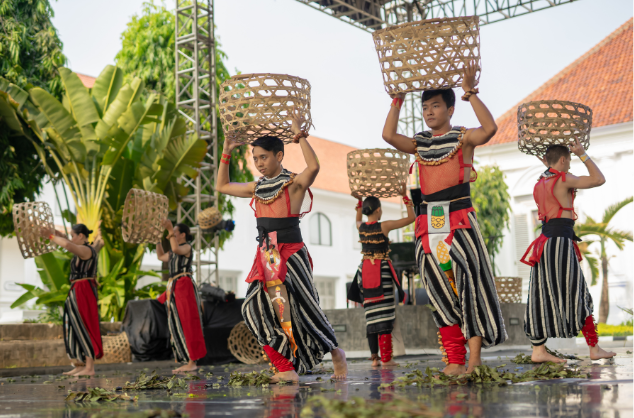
[[605, 330]]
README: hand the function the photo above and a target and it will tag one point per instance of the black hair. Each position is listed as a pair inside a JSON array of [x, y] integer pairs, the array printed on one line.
[[184, 229], [82, 229], [370, 205], [448, 96], [269, 143], [555, 152]]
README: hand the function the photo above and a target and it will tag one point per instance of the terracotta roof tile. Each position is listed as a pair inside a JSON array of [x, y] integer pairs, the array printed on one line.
[[601, 79], [86, 79]]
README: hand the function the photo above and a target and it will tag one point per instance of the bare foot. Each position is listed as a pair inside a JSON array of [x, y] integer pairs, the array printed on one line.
[[473, 363], [376, 362], [85, 372], [189, 367], [540, 355], [597, 353], [390, 363], [289, 376], [339, 363], [78, 371], [454, 369], [71, 372]]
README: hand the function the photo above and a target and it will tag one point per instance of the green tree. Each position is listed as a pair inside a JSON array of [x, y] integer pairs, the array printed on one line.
[[30, 50], [604, 233], [491, 200], [148, 52]]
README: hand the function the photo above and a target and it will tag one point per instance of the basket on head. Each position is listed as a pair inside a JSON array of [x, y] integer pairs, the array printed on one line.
[[143, 214], [29, 220], [509, 289], [256, 105], [377, 172], [543, 123], [244, 346], [209, 218], [428, 54]]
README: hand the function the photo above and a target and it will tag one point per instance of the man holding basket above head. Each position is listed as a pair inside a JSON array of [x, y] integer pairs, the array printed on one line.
[[281, 308], [376, 284], [559, 304], [450, 250]]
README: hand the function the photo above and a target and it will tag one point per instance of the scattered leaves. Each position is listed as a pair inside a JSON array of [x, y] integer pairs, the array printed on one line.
[[359, 407], [250, 379], [97, 395]]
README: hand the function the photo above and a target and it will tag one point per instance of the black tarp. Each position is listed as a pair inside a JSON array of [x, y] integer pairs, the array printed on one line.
[[145, 323]]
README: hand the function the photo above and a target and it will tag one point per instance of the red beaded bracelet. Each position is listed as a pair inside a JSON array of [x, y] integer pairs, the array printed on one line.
[[225, 158], [359, 204], [299, 135]]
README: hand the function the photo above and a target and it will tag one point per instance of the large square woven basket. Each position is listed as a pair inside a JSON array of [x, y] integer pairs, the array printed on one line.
[[428, 54], [255, 105], [544, 123], [29, 220], [377, 172]]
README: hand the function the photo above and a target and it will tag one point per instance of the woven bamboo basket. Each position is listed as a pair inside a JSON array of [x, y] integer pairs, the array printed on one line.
[[543, 123], [255, 105], [428, 54], [244, 346], [29, 220], [509, 289], [116, 349], [377, 172], [209, 218], [143, 214]]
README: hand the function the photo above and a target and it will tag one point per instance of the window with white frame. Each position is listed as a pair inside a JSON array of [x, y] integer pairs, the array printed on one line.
[[326, 290], [320, 231]]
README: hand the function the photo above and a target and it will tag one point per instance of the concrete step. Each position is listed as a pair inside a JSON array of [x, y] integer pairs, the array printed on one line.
[[12, 332]]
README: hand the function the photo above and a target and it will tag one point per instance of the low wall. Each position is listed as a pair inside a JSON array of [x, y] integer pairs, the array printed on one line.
[[417, 327]]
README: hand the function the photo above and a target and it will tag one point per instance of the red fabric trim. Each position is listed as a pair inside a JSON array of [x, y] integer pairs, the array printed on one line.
[[281, 363], [162, 298], [89, 313], [370, 223], [453, 342], [187, 308], [459, 220], [371, 274], [385, 345], [285, 250], [590, 332], [394, 273], [537, 247]]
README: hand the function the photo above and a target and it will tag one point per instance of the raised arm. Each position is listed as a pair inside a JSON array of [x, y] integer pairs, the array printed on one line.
[[174, 245], [160, 252], [58, 238], [388, 226], [488, 128], [223, 185], [595, 177], [398, 141], [359, 209], [306, 178]]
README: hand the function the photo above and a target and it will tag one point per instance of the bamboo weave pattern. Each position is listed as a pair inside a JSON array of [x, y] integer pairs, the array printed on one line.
[[377, 172], [143, 214], [29, 220]]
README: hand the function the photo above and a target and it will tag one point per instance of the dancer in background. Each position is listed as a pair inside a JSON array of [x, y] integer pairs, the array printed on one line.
[[181, 298], [376, 284], [559, 304], [281, 308], [82, 334], [450, 251]]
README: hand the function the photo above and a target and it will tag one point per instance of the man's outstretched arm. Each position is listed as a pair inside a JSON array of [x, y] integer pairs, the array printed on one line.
[[398, 141], [488, 127], [223, 185]]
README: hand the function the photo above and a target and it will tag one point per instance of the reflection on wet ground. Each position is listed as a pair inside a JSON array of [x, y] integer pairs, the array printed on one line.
[[607, 393]]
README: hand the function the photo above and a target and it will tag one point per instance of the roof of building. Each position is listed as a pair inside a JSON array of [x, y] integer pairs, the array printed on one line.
[[601, 79], [87, 80]]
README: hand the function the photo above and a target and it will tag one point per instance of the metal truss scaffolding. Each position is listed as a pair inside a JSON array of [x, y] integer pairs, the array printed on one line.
[[196, 102]]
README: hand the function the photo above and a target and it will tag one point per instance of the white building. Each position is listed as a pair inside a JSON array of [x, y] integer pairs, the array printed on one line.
[[601, 79]]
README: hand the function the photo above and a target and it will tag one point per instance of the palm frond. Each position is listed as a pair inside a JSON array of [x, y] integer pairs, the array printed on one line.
[[613, 209]]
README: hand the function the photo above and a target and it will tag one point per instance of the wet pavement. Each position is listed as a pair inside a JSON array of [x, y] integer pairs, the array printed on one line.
[[607, 393]]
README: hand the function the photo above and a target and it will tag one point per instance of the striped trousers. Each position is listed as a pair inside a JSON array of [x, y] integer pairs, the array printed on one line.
[[313, 334], [185, 320], [380, 314], [82, 334], [558, 297], [476, 308]]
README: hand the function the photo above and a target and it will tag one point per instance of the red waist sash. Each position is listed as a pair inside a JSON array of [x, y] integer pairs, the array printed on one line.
[[285, 250], [534, 252]]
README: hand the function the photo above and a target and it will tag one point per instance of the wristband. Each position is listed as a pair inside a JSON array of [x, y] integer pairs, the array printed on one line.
[[299, 135], [225, 158], [397, 103], [359, 204], [50, 237], [469, 93], [584, 158], [407, 201]]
